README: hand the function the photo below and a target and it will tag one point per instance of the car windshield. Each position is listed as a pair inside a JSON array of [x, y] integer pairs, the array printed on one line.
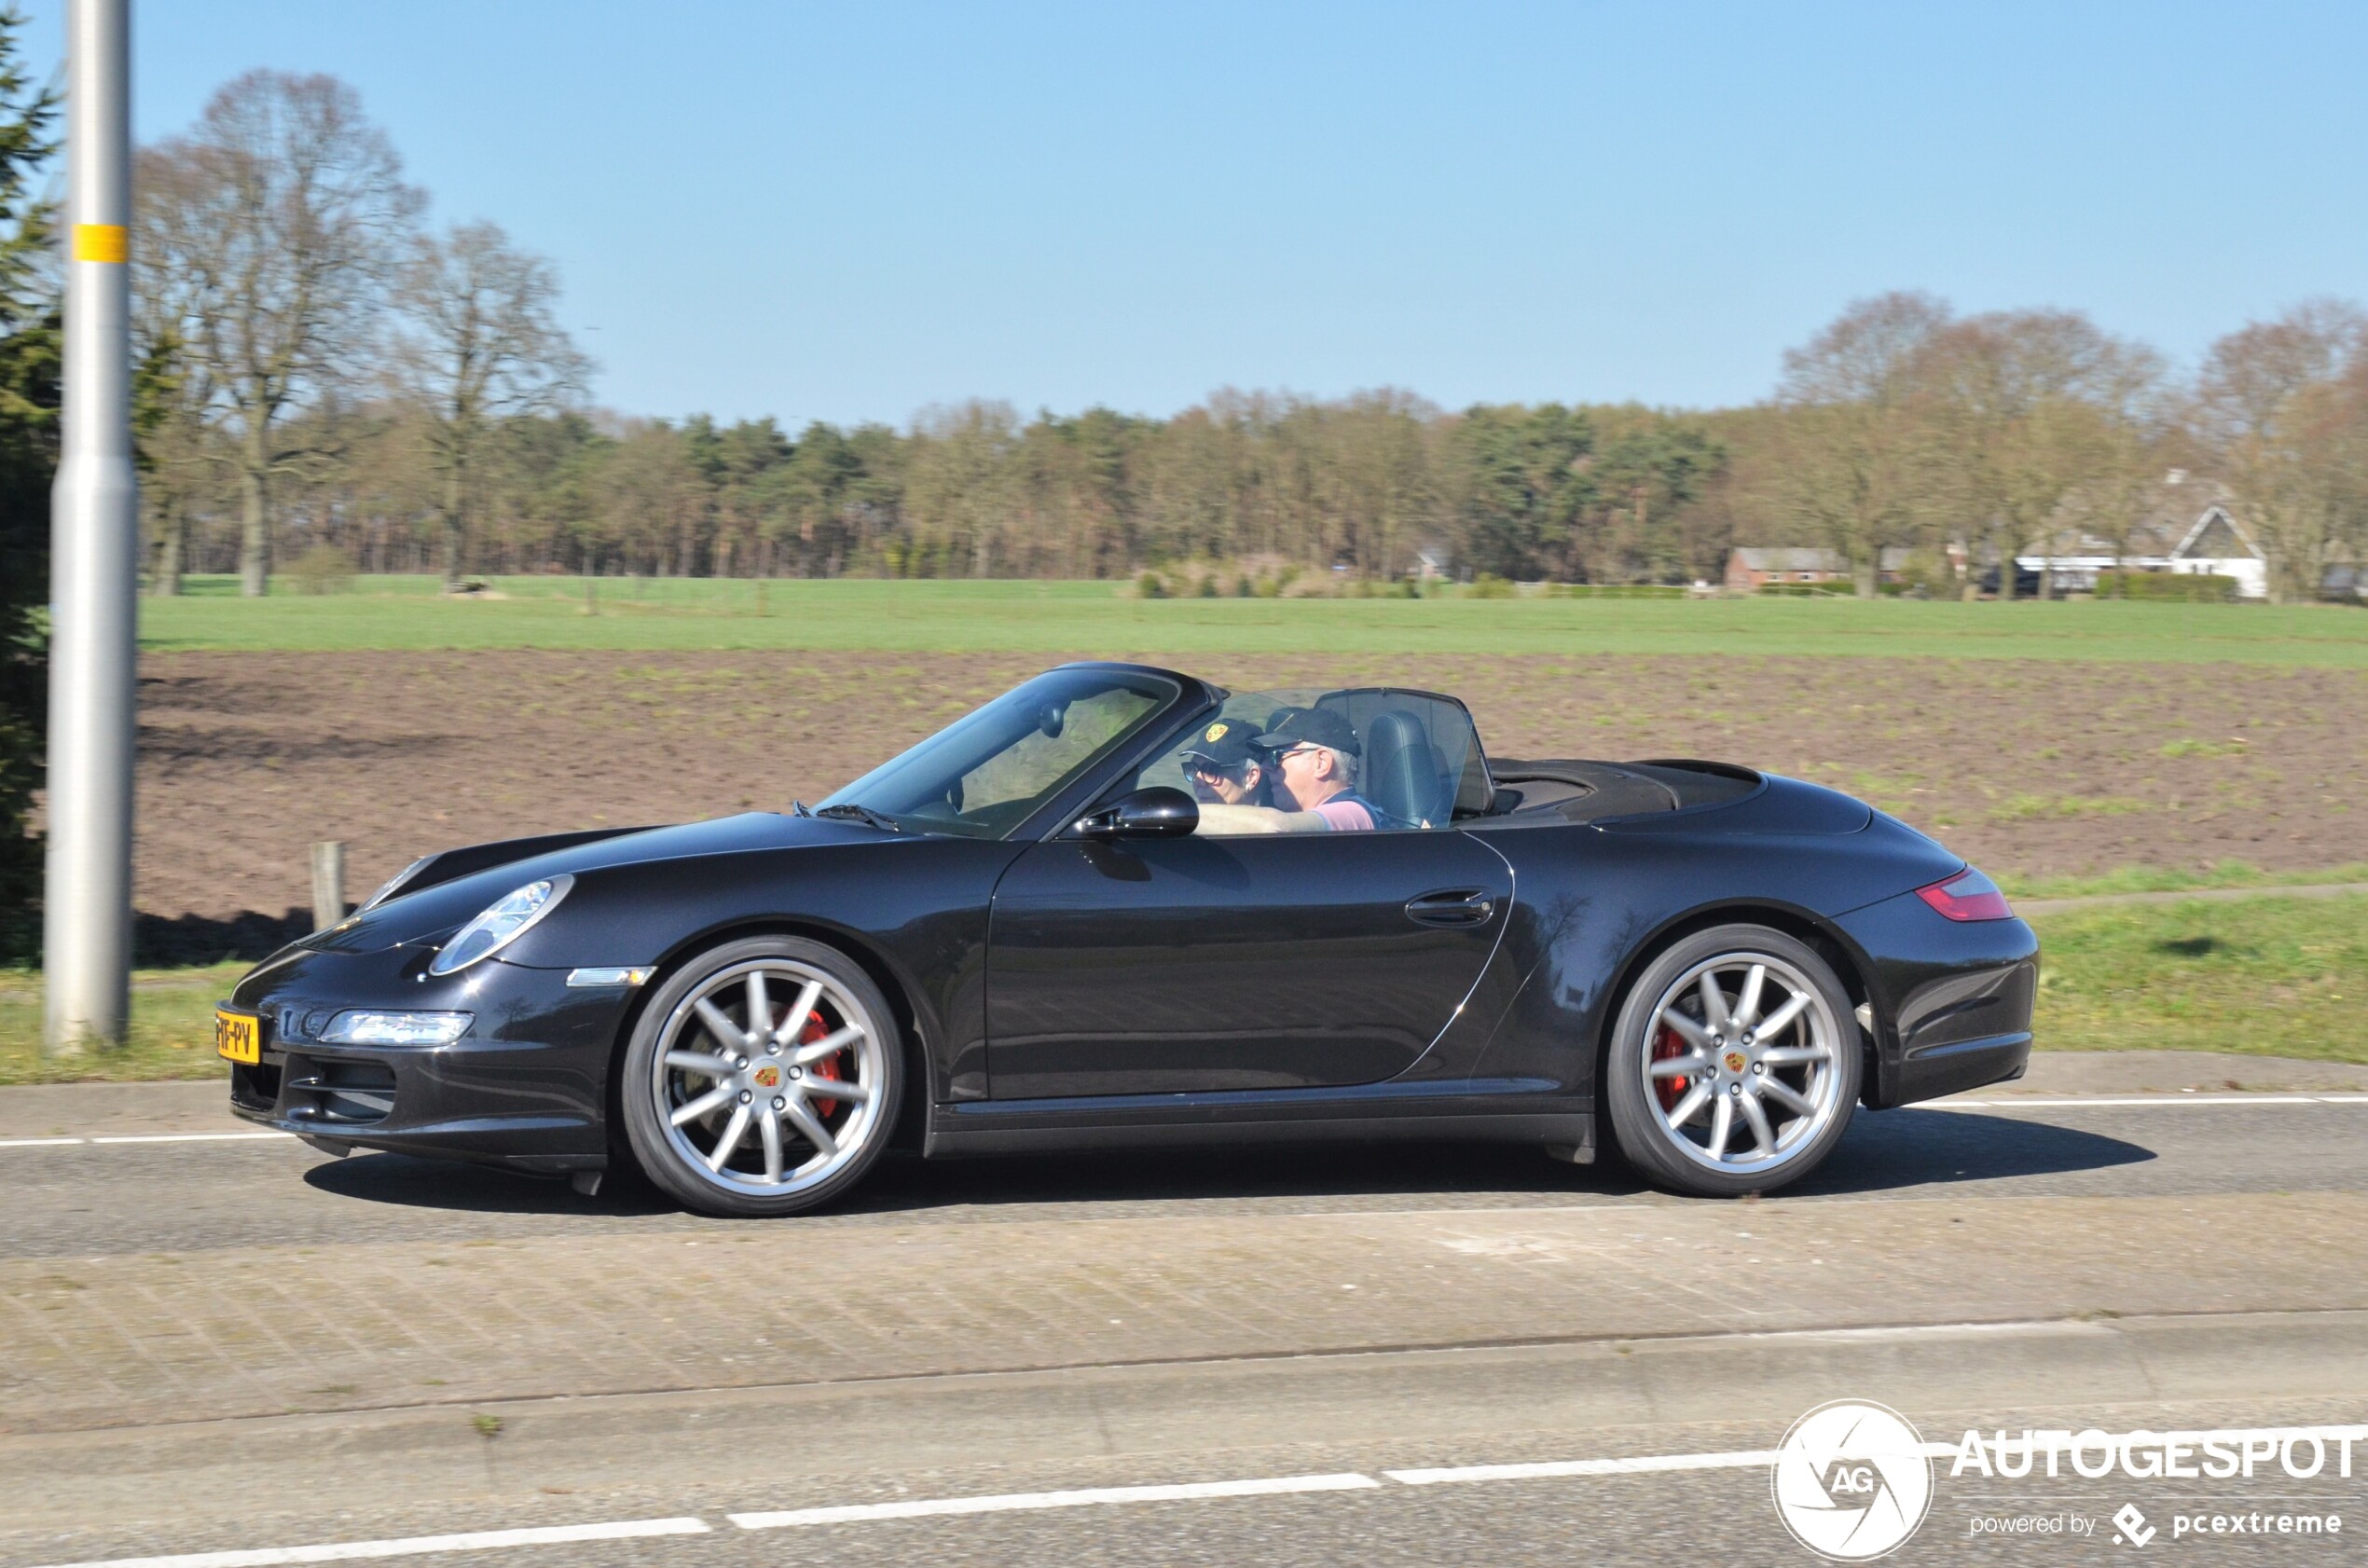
[[992, 769]]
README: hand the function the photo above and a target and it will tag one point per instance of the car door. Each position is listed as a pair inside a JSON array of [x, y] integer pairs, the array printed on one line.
[[1267, 962]]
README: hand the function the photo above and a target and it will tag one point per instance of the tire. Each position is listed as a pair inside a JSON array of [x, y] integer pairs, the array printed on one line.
[[787, 1146], [1786, 1096]]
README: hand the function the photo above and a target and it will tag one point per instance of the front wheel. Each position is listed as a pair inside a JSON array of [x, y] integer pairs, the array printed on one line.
[[1734, 1066], [763, 1079]]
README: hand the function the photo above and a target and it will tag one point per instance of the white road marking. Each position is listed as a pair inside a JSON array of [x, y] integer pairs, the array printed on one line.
[[143, 1137], [189, 1137], [939, 1507], [2075, 1102], [2051, 1326], [1645, 1464], [1746, 1459], [1088, 1496], [414, 1546]]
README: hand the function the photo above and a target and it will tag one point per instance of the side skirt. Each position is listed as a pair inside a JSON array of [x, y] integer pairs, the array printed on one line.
[[1564, 1122]]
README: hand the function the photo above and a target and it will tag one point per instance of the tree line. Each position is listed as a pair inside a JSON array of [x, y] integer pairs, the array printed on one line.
[[323, 378]]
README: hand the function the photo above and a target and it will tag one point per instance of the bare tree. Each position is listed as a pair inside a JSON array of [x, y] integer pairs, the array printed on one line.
[[961, 491], [176, 391], [2024, 404], [651, 498], [477, 342], [276, 219], [1857, 447], [1374, 483], [2281, 404]]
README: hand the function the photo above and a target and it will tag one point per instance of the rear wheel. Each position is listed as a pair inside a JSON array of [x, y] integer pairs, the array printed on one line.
[[1734, 1066], [763, 1079]]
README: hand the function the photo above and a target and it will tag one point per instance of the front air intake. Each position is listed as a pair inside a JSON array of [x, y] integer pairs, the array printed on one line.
[[346, 1093]]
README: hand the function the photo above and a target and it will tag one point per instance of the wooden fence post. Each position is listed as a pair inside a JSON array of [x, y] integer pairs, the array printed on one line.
[[328, 884]]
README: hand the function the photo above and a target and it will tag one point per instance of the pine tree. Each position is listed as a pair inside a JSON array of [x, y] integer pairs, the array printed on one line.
[[31, 341]]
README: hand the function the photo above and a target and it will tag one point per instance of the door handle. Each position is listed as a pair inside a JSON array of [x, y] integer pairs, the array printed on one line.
[[1462, 907]]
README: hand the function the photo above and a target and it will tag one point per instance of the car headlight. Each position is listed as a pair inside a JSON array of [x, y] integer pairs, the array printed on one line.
[[356, 1026], [501, 924]]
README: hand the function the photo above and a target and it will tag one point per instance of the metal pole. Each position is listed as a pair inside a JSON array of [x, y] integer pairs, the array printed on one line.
[[94, 554]]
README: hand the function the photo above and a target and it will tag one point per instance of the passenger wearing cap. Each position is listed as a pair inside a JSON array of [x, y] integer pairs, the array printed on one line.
[[1313, 754], [1225, 765]]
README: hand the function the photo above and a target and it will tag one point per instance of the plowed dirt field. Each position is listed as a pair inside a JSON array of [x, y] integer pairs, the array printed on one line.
[[2033, 768]]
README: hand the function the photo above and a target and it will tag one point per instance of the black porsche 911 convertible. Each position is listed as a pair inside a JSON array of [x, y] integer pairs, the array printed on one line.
[[1120, 906]]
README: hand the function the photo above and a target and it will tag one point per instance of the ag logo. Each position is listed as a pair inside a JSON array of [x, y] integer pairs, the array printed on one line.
[[1852, 1481]]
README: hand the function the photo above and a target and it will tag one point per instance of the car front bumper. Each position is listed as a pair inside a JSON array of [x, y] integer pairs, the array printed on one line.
[[526, 1087]]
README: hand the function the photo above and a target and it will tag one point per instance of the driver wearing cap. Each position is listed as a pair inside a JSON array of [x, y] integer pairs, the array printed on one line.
[[1314, 753]]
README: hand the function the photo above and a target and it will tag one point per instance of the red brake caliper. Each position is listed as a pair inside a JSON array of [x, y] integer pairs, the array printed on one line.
[[1667, 1047], [828, 1067]]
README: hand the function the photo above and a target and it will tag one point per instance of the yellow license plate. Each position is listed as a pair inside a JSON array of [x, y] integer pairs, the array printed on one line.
[[238, 1036]]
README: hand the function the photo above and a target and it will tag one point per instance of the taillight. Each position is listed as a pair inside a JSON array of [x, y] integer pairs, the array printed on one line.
[[1967, 896]]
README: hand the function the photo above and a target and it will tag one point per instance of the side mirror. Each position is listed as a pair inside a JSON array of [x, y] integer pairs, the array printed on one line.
[[1155, 813]]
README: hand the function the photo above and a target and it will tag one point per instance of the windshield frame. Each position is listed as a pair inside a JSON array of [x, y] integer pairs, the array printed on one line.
[[1185, 693]]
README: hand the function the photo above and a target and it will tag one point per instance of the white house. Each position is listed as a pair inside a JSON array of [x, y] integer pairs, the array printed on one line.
[[2215, 544]]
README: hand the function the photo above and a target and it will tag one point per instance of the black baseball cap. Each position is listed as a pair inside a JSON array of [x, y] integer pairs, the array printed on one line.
[[1227, 742], [1310, 726]]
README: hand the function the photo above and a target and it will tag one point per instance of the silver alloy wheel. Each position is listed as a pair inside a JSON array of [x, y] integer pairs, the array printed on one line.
[[768, 1077], [1740, 1065]]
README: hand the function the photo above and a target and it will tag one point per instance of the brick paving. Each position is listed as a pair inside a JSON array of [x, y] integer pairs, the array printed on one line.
[[260, 1330]]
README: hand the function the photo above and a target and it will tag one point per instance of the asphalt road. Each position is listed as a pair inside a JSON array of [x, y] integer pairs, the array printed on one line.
[[224, 1347], [103, 1201]]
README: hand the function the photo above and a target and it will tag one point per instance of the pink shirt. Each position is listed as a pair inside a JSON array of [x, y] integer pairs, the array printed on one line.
[[1345, 816]]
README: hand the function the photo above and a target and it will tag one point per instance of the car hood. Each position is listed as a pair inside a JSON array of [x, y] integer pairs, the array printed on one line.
[[439, 909]]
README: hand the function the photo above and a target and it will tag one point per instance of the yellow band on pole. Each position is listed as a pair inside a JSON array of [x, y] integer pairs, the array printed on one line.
[[102, 241]]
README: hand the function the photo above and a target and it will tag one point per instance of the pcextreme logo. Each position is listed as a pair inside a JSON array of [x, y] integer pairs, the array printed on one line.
[[1852, 1481]]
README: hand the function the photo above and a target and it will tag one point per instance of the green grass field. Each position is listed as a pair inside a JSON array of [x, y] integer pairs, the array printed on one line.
[[678, 614], [2257, 977], [2178, 879], [2262, 977], [171, 1029]]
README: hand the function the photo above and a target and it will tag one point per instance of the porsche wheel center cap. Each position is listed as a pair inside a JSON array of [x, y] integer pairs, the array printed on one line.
[[1735, 1061], [766, 1077]]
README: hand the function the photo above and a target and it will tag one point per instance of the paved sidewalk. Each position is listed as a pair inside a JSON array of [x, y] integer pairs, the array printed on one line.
[[146, 1338]]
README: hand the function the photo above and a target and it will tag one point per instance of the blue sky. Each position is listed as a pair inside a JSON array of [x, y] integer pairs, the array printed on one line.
[[851, 211]]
